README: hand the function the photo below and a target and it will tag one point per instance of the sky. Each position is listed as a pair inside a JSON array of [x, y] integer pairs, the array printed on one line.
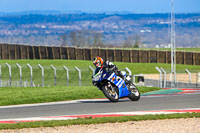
[[134, 6]]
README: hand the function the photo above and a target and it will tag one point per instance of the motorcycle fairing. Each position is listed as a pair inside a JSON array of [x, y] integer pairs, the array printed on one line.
[[119, 82]]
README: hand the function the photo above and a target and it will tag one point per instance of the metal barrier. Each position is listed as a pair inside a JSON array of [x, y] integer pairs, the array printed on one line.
[[164, 80], [67, 74], [92, 69], [0, 77], [20, 74], [10, 73], [38, 75], [190, 78], [42, 69], [54, 74], [160, 79], [31, 73], [79, 73]]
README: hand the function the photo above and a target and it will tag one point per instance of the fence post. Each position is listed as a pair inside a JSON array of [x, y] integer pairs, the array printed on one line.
[[10, 73], [190, 76], [198, 77], [171, 78], [42, 69], [0, 77], [160, 79], [31, 72], [54, 74], [67, 73], [79, 71], [129, 71], [164, 85], [20, 74], [130, 74], [92, 69]]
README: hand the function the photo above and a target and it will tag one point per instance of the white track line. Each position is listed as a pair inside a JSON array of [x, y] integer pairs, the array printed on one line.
[[68, 117]]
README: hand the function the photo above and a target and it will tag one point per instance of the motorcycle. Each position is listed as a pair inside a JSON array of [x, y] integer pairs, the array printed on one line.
[[114, 87]]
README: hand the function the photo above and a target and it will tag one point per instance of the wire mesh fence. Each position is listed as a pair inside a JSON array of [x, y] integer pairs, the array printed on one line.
[[47, 78], [183, 79], [37, 75]]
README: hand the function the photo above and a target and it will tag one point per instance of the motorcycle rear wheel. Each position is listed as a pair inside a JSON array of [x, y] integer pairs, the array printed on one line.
[[111, 93]]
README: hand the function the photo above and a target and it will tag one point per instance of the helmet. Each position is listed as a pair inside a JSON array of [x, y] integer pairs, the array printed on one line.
[[98, 61]]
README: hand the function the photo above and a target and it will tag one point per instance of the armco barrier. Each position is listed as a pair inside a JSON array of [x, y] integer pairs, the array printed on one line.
[[13, 52]]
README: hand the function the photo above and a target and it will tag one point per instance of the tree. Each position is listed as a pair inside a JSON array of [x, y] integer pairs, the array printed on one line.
[[97, 42], [84, 38], [73, 38], [137, 42], [64, 40], [128, 42]]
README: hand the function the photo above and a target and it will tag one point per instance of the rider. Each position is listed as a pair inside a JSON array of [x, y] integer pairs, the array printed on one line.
[[108, 66]]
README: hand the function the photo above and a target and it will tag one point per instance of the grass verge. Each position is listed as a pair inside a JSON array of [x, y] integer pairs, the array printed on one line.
[[82, 121], [22, 95], [165, 49]]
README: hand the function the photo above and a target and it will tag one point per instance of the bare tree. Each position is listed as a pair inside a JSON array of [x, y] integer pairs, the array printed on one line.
[[97, 39], [137, 42], [64, 40], [85, 38], [128, 42], [73, 38]]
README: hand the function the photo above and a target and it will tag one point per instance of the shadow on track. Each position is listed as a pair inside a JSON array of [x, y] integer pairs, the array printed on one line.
[[105, 101]]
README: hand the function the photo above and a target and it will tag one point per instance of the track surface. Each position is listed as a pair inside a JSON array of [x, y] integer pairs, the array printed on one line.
[[98, 106]]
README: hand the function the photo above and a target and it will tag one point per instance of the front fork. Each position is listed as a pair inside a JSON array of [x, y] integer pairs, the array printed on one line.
[[110, 86]]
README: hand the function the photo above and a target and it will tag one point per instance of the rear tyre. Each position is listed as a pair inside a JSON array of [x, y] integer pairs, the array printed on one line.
[[110, 92], [135, 94]]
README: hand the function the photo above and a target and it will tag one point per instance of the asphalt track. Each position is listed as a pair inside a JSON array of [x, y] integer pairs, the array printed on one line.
[[150, 102]]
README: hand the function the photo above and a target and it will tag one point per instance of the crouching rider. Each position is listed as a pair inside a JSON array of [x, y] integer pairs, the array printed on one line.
[[110, 67]]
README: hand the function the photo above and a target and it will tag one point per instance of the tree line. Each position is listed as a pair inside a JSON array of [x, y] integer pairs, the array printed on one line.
[[86, 38]]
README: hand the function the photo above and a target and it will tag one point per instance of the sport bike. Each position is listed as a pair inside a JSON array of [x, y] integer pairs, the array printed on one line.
[[114, 87]]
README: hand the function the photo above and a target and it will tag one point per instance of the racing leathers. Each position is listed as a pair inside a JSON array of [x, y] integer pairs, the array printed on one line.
[[110, 67]]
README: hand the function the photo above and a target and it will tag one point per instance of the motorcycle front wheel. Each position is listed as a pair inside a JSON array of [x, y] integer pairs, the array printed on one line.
[[110, 92], [135, 94]]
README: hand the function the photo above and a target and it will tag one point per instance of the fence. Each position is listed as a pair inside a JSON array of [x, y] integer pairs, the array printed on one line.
[[26, 75], [184, 79], [13, 52], [23, 75]]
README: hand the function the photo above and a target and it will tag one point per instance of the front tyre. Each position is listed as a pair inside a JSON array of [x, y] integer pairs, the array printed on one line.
[[135, 94], [110, 92]]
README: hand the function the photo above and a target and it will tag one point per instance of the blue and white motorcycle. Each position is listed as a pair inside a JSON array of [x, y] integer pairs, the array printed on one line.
[[114, 87]]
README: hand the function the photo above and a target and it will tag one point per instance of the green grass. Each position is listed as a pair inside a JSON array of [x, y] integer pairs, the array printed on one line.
[[136, 68], [17, 95], [97, 120], [48, 72], [189, 49]]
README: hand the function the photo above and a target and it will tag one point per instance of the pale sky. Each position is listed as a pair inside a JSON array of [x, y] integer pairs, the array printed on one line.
[[135, 6]]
